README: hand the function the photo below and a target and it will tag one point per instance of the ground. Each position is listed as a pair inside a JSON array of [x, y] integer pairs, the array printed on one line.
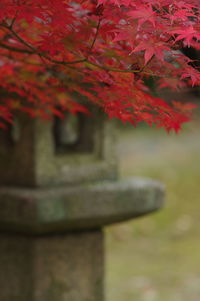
[[157, 258]]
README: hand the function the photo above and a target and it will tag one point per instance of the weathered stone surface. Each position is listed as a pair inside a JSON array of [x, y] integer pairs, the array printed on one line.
[[33, 160], [66, 267], [80, 207]]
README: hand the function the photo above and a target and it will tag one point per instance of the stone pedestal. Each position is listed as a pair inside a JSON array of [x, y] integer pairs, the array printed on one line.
[[56, 195], [55, 267]]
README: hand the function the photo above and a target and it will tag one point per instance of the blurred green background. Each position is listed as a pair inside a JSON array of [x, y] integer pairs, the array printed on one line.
[[157, 257]]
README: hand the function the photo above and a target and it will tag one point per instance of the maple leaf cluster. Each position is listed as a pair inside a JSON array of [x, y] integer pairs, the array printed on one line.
[[53, 51]]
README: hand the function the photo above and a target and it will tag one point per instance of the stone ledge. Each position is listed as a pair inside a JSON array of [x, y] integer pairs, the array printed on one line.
[[59, 209]]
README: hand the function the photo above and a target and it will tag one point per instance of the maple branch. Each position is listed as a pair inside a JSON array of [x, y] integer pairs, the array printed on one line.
[[11, 48], [125, 70], [13, 20], [35, 51], [95, 37], [112, 69], [42, 55], [144, 66], [63, 62], [21, 39]]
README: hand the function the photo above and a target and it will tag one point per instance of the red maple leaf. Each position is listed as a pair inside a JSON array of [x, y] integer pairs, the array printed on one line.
[[187, 34]]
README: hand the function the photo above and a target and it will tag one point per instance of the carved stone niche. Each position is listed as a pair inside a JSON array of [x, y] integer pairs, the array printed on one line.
[[73, 150]]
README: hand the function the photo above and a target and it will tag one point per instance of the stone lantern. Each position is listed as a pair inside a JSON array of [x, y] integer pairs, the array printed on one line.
[[59, 188]]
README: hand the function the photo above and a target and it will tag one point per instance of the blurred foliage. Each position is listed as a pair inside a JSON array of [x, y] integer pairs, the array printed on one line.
[[157, 257]]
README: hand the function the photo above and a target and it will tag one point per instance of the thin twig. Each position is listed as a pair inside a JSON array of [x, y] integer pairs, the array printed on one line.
[[13, 20], [124, 71], [95, 37], [41, 54], [11, 48]]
